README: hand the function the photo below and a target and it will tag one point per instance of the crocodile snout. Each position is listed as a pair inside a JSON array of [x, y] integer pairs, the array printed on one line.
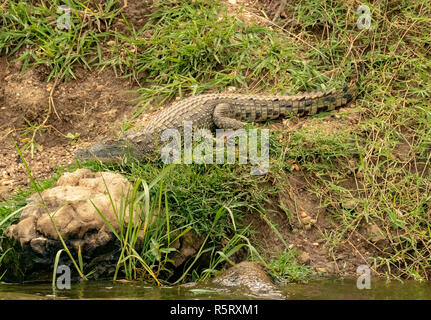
[[105, 152]]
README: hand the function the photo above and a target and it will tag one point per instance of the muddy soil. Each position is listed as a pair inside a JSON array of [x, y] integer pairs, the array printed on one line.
[[305, 229], [85, 109]]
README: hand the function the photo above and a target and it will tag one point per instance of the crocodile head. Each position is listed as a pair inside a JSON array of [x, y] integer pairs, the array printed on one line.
[[109, 151]]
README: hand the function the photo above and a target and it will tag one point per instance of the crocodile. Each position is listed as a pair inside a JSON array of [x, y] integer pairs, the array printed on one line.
[[210, 111]]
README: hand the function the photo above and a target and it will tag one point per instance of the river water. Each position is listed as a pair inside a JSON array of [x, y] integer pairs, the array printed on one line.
[[332, 289]]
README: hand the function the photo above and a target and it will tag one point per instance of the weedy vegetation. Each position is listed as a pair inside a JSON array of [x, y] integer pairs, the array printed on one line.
[[370, 168]]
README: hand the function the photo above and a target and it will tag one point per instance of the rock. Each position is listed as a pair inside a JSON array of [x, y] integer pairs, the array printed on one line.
[[350, 204], [190, 244], [251, 279], [375, 233], [4, 191], [231, 89], [304, 258], [307, 221], [75, 218]]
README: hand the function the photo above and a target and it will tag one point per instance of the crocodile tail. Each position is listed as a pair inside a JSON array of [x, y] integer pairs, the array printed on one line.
[[322, 101]]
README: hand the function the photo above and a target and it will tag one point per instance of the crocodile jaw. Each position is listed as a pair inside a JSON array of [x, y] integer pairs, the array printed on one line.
[[106, 151]]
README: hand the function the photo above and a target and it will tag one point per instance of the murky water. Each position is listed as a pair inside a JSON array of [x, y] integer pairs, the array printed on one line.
[[319, 289], [347, 289]]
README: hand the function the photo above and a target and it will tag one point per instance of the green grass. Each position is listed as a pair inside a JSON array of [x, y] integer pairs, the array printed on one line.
[[374, 170], [25, 26], [213, 201], [389, 189], [195, 47], [286, 268]]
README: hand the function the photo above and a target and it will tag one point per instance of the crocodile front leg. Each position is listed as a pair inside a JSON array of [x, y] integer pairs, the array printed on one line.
[[222, 120]]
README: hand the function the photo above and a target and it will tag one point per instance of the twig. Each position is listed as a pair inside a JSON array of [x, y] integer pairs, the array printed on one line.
[[122, 8], [7, 133], [3, 6]]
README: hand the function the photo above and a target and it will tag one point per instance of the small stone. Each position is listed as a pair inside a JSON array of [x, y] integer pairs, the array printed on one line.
[[295, 167], [304, 258], [376, 234], [321, 269], [304, 214], [307, 227], [350, 204], [49, 87], [315, 244], [231, 89]]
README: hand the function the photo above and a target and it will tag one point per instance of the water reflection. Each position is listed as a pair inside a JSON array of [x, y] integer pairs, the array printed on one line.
[[320, 289]]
